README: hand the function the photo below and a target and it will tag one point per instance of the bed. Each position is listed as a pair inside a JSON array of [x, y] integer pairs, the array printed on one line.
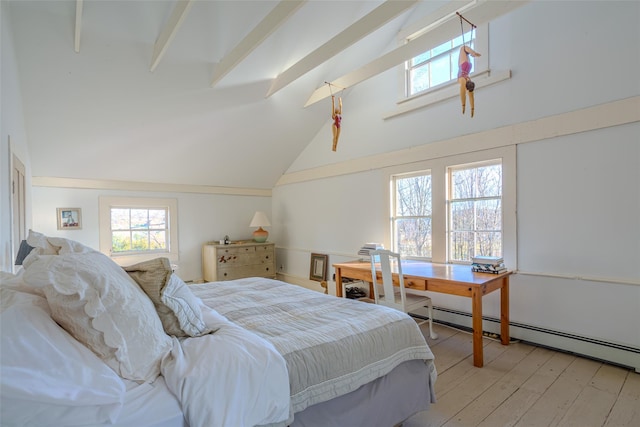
[[86, 342]]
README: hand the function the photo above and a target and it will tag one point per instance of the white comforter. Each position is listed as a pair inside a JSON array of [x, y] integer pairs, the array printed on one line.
[[231, 378]]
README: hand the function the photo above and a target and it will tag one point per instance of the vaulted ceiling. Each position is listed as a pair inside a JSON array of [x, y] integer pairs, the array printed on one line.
[[217, 93]]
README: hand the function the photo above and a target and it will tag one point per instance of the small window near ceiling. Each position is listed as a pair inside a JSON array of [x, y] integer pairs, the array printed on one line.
[[411, 215], [437, 66], [135, 229], [475, 210]]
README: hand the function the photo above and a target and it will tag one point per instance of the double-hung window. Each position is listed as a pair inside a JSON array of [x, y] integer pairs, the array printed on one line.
[[475, 210], [411, 216], [135, 229], [453, 208]]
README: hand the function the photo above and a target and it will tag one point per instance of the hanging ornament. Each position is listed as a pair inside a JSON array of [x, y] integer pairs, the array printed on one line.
[[464, 68]]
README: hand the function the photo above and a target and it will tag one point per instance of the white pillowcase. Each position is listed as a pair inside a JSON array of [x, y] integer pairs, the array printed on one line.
[[47, 375], [185, 305], [92, 298]]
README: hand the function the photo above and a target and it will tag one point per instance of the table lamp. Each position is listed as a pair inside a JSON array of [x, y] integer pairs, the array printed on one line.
[[259, 220]]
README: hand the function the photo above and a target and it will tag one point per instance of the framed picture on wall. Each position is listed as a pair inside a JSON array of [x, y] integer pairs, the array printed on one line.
[[69, 218], [318, 268]]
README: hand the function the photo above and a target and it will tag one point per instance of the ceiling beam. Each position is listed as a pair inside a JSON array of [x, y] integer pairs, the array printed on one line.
[[76, 46], [268, 25], [180, 12], [366, 25], [485, 11]]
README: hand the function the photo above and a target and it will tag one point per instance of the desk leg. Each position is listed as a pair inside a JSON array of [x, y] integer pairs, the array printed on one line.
[[476, 313], [504, 311], [338, 282]]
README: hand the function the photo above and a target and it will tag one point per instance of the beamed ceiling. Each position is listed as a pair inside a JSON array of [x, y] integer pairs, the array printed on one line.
[[211, 93]]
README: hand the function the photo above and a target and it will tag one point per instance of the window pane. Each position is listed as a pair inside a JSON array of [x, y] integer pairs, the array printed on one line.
[[463, 184], [414, 237], [488, 244], [489, 181], [158, 240], [413, 196], [119, 219], [140, 240], [157, 219], [462, 216], [489, 215], [440, 72], [120, 241], [461, 245], [420, 58], [441, 49], [419, 79], [139, 219]]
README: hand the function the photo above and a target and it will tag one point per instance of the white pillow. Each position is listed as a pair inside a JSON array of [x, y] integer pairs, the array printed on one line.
[[184, 304], [47, 377], [94, 300]]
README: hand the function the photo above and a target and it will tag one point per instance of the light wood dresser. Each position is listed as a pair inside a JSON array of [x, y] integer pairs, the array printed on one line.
[[238, 260]]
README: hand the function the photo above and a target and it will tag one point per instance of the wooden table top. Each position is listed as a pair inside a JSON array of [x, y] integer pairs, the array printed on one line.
[[450, 272]]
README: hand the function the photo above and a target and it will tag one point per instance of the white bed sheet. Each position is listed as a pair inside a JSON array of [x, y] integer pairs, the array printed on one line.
[[231, 378], [150, 405]]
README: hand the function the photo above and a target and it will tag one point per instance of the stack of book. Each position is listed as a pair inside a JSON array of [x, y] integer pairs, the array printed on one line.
[[487, 264], [368, 247]]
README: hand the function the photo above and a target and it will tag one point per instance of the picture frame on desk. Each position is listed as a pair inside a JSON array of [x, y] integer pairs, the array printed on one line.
[[318, 267]]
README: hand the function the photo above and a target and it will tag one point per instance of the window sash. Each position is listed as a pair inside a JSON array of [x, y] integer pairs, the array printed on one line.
[[475, 211], [420, 67], [155, 226], [412, 226]]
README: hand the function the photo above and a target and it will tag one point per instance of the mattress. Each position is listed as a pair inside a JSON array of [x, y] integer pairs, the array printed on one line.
[[351, 343]]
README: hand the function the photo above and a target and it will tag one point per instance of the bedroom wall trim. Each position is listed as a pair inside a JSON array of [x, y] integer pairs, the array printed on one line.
[[601, 116], [97, 184], [617, 280], [584, 346]]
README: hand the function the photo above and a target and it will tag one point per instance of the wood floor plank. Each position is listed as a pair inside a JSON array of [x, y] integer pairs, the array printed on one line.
[[523, 385], [467, 388], [512, 409], [464, 370], [560, 395], [508, 379], [594, 403], [626, 410]]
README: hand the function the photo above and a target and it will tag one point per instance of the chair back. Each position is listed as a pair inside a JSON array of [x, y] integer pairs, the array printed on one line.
[[383, 258]]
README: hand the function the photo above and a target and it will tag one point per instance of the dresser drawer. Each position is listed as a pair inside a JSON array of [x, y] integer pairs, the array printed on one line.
[[235, 261]]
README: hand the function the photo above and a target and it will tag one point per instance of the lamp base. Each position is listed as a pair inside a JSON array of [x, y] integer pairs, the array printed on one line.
[[260, 235]]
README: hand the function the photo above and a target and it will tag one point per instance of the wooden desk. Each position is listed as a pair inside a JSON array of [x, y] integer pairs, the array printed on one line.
[[450, 279]]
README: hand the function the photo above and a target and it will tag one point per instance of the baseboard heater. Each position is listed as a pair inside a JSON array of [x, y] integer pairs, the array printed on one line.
[[603, 351]]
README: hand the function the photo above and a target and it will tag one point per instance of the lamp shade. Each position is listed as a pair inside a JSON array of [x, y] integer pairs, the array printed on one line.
[[260, 220]]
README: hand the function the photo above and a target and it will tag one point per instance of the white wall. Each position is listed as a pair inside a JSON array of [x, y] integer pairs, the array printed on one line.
[[201, 218], [11, 128], [578, 191]]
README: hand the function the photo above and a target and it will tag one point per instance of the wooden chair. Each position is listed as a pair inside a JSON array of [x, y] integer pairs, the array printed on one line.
[[396, 296]]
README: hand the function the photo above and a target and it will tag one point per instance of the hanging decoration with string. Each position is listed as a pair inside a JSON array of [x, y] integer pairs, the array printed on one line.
[[464, 67], [336, 115]]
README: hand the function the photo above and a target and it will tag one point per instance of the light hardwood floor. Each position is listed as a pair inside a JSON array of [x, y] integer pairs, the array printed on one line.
[[523, 385]]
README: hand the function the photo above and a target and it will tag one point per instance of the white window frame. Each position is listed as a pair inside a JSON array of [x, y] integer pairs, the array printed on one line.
[[394, 217], [439, 178], [171, 205], [450, 200]]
